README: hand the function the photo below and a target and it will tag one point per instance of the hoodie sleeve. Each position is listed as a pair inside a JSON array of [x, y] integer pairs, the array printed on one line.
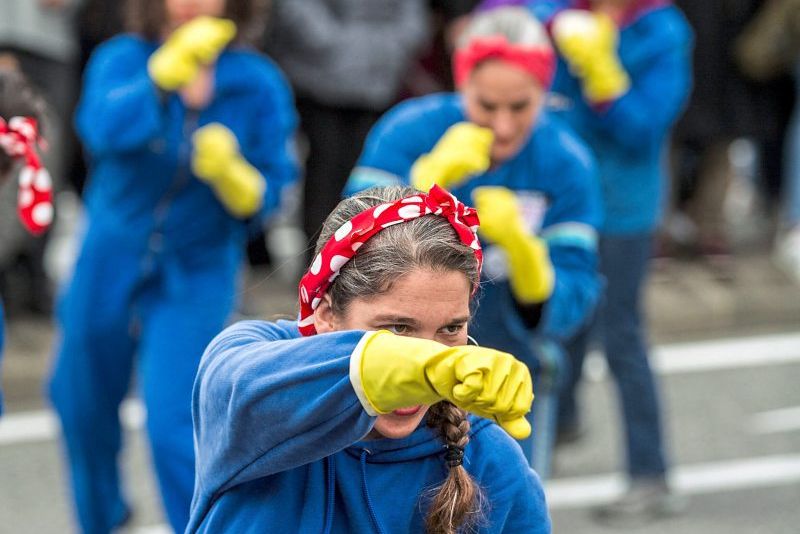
[[266, 400], [120, 108]]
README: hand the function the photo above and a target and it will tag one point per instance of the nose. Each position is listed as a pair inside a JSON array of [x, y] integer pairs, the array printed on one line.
[[503, 124]]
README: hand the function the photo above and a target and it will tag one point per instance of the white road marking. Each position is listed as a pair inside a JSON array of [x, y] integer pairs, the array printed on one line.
[[42, 425], [784, 420], [713, 477]]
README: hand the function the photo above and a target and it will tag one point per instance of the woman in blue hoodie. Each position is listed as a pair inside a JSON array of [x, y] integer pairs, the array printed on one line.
[[531, 179], [353, 419], [189, 141], [624, 76]]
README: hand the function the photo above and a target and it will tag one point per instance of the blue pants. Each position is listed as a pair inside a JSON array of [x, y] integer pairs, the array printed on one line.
[[792, 165], [623, 262], [163, 310]]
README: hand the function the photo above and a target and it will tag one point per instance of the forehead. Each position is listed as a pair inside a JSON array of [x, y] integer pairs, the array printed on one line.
[[423, 295], [500, 80]]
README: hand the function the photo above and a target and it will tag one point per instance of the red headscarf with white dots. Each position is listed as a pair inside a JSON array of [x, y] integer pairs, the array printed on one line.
[[18, 137], [344, 243]]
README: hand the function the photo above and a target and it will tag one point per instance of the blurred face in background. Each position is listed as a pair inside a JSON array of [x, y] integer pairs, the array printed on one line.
[[505, 98], [182, 11]]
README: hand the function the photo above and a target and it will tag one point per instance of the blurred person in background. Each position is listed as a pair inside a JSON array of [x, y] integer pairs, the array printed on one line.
[[532, 181], [769, 48], [21, 109], [189, 136], [39, 38], [345, 60], [624, 76]]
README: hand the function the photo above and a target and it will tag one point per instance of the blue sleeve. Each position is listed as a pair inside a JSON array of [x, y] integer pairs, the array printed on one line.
[[660, 85], [266, 400], [402, 135], [272, 149], [570, 231], [120, 108], [514, 490]]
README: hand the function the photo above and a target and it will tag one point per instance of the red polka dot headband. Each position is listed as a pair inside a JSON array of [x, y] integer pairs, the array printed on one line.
[[18, 138], [344, 243], [537, 60]]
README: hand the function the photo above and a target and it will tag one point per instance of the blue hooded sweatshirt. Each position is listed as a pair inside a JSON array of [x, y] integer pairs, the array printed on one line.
[[553, 176], [278, 434], [629, 135]]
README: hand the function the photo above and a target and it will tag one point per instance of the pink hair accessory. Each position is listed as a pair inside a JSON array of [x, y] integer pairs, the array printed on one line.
[[18, 138], [537, 60], [344, 243]]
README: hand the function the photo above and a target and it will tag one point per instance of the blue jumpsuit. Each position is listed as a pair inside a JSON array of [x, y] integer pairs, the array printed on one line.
[[628, 137], [156, 276], [553, 178], [279, 428]]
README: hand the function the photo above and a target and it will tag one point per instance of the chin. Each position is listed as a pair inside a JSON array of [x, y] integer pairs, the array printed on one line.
[[504, 153], [397, 427]]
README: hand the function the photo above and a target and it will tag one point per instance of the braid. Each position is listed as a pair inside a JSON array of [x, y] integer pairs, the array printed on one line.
[[456, 506]]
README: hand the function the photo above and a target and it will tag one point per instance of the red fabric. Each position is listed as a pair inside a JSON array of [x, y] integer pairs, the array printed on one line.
[[344, 243], [18, 137], [539, 61]]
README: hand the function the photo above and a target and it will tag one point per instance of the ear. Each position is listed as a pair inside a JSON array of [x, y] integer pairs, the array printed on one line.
[[324, 320]]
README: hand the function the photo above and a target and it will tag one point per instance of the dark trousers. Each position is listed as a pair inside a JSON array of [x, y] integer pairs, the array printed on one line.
[[624, 262], [335, 138]]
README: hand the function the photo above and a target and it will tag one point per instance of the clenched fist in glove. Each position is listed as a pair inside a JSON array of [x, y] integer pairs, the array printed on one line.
[[393, 371], [530, 271], [463, 150], [216, 160], [588, 42], [192, 46]]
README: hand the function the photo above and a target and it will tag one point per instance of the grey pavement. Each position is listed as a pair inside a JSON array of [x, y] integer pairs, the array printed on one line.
[[710, 412]]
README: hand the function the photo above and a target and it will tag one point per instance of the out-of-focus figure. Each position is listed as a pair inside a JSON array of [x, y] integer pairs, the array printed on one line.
[[624, 77], [770, 47], [345, 60], [189, 136]]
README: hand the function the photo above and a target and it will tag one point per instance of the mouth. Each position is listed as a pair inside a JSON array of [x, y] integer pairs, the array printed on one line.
[[405, 412]]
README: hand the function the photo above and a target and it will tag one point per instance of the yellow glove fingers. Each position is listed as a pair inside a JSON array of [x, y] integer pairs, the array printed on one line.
[[517, 428], [462, 151], [531, 273], [470, 387], [515, 390]]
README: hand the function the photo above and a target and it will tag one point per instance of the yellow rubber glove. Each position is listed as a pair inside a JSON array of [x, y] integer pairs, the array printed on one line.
[[530, 273], [463, 150], [396, 371], [216, 160], [588, 42], [190, 47]]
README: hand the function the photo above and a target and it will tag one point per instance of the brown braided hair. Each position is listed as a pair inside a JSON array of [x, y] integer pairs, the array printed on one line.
[[457, 504]]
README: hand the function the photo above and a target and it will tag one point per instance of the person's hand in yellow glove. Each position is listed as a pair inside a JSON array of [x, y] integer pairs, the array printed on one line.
[[588, 42], [530, 273], [393, 372], [192, 46], [217, 161], [463, 151]]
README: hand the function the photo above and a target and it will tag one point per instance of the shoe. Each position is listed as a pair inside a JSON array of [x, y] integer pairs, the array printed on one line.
[[646, 500], [787, 254]]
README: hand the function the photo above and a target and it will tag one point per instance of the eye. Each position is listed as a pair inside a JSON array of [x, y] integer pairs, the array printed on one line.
[[520, 106], [453, 329], [399, 329], [488, 106]]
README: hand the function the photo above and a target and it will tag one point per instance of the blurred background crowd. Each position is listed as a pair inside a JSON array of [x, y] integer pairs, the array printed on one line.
[[733, 157]]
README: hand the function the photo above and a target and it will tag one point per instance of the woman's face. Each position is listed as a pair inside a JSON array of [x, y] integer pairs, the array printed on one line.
[[182, 11], [423, 304], [506, 99]]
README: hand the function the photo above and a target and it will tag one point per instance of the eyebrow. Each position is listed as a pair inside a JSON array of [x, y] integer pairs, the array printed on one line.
[[400, 319]]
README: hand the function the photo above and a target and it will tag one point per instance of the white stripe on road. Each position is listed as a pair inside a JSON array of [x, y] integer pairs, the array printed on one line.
[[42, 425], [785, 420], [714, 355], [695, 479]]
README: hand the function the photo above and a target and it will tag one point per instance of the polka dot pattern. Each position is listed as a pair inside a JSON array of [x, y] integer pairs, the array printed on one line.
[[357, 231], [18, 138]]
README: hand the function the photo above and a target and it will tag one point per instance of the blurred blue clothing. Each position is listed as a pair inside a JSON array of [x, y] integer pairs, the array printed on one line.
[[554, 178], [792, 172], [279, 436], [629, 136], [156, 274]]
